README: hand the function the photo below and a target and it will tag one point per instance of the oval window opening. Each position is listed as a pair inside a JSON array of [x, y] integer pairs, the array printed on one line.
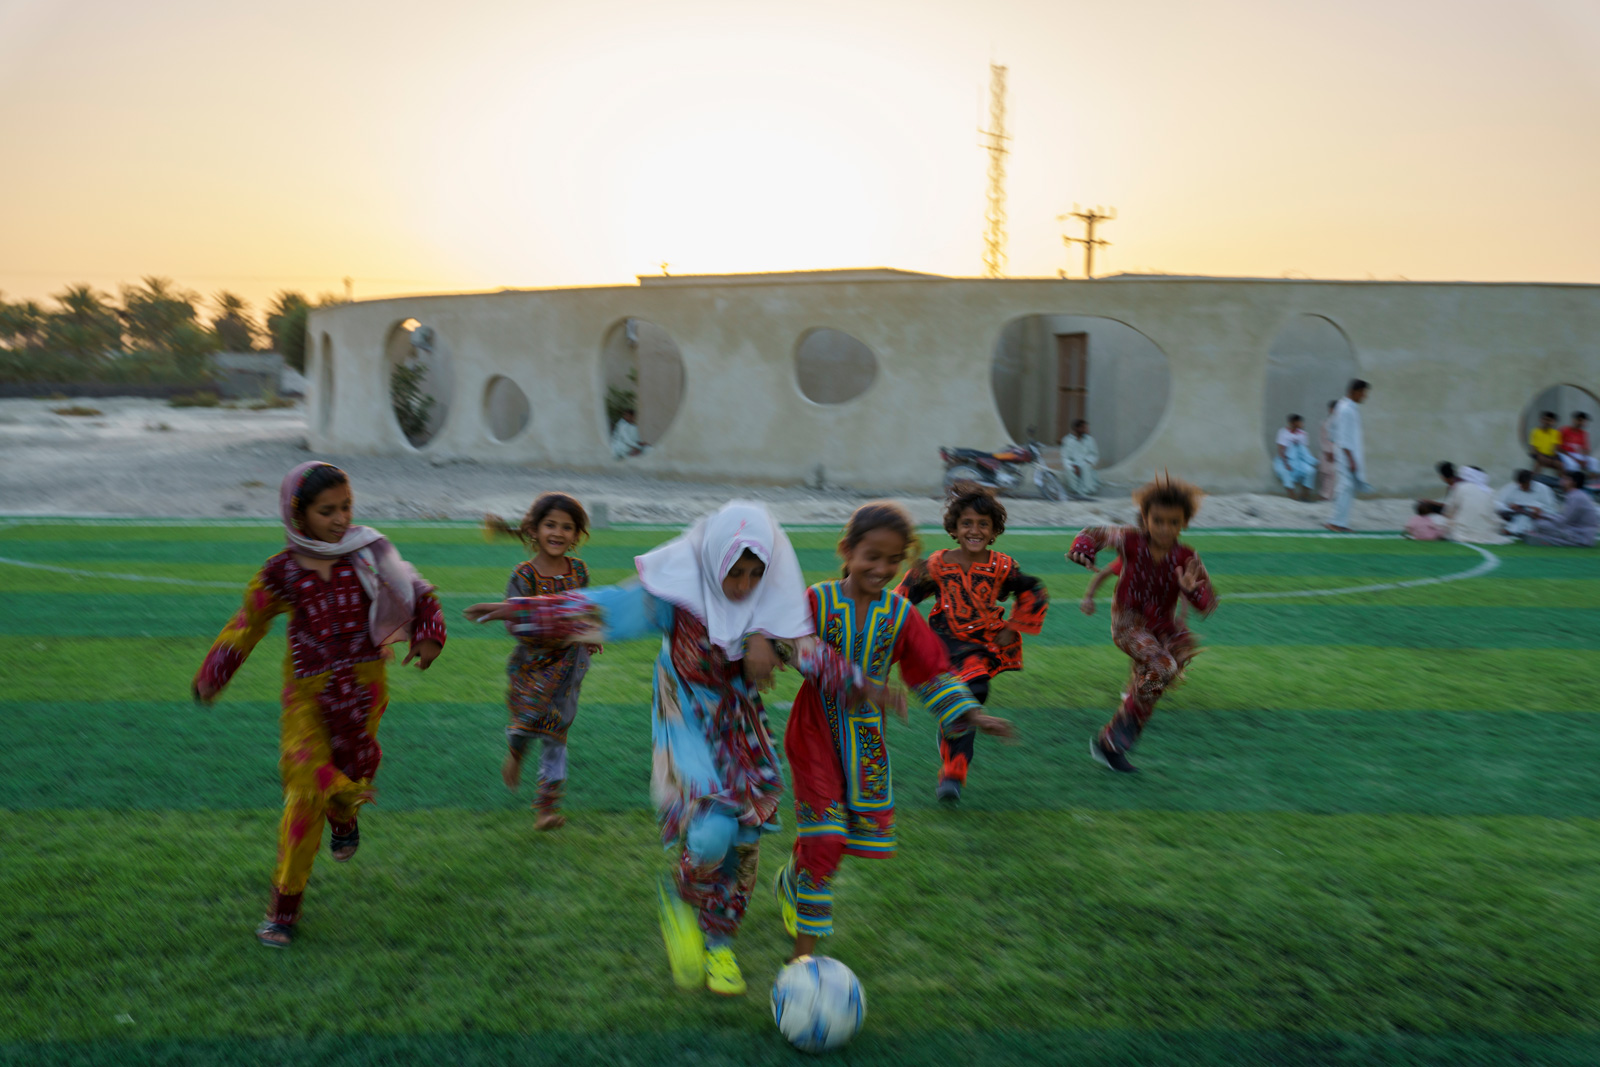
[[505, 408], [833, 367], [644, 374], [418, 380], [1050, 371]]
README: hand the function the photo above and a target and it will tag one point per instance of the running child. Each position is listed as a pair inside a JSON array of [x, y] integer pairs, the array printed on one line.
[[968, 582], [348, 595], [544, 682], [1156, 569], [718, 596], [838, 759]]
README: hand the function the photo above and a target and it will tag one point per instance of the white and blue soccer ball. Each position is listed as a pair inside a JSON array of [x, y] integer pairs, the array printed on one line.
[[817, 1003]]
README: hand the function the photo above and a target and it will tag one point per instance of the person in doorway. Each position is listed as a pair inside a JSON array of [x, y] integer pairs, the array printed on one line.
[[1523, 502], [1544, 441], [1328, 468], [1293, 463], [1578, 525], [1079, 455], [625, 443], [1574, 449], [1350, 456]]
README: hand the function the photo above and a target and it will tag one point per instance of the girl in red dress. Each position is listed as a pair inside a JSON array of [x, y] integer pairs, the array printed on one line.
[[1156, 569]]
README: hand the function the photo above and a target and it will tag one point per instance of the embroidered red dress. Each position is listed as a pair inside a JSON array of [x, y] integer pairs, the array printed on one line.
[[1143, 623], [334, 694]]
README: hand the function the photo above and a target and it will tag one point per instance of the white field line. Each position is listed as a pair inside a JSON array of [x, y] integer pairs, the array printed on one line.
[[1488, 563]]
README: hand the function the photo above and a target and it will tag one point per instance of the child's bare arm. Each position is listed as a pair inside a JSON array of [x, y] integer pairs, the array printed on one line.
[[1099, 579]]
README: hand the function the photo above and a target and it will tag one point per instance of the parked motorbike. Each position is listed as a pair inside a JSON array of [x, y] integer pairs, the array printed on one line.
[[1004, 471]]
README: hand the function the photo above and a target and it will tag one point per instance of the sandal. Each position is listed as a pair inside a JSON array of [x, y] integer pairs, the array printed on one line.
[[275, 935], [339, 842]]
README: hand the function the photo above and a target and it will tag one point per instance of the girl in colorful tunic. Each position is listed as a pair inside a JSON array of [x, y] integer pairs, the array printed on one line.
[[718, 596], [969, 581], [544, 681], [1156, 568], [348, 594], [844, 799]]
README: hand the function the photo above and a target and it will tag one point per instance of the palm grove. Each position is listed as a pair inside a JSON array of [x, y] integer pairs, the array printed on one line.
[[155, 334]]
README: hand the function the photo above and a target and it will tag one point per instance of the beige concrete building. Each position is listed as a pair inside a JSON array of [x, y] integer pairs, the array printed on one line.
[[864, 374]]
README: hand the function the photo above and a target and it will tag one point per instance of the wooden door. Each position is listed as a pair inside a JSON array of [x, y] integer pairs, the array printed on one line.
[[1072, 381]]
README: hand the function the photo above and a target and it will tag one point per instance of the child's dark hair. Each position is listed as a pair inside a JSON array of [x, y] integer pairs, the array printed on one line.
[[527, 530], [879, 515], [1429, 507], [970, 496], [1165, 491], [316, 481]]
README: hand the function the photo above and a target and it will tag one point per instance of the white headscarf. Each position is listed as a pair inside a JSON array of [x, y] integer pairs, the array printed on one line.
[[1475, 477], [688, 571]]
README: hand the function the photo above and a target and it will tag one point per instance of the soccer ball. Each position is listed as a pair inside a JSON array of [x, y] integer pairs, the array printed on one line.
[[817, 1003]]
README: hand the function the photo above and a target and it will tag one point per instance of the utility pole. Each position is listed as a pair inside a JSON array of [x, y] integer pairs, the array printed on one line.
[[994, 233], [1094, 215], [349, 290]]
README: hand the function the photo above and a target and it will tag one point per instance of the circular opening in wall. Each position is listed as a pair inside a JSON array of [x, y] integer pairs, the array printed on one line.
[[1309, 366], [832, 367], [1564, 402], [325, 385], [417, 365], [505, 408], [1050, 371], [643, 371]]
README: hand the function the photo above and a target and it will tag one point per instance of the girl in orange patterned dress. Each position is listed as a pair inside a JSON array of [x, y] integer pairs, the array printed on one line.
[[968, 582], [348, 595], [544, 681]]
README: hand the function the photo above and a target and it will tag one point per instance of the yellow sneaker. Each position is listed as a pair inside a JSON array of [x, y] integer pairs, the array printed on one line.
[[723, 976], [783, 889], [686, 945]]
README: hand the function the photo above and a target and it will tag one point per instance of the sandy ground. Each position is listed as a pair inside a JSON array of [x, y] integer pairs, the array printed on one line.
[[144, 458]]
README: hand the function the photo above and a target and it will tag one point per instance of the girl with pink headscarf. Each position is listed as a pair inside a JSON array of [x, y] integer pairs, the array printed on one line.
[[349, 596]]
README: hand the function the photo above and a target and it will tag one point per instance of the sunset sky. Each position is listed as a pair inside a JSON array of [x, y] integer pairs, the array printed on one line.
[[486, 143]]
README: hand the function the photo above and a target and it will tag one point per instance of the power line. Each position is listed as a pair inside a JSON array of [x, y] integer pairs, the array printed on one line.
[[1089, 241]]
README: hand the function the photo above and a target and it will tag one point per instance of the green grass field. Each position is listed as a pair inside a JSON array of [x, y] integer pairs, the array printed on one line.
[[1366, 833]]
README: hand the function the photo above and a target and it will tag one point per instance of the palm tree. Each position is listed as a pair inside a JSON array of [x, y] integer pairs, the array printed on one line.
[[236, 330], [286, 325], [85, 331]]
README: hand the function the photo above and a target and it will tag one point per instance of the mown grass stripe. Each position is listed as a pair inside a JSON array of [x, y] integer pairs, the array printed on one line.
[[100, 670], [930, 1048], [464, 922], [84, 614], [436, 755]]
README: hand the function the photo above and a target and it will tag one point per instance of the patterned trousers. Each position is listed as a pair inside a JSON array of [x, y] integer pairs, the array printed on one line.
[[1158, 663], [717, 871], [816, 860]]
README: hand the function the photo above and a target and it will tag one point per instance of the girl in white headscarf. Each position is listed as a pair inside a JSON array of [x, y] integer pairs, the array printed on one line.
[[720, 596]]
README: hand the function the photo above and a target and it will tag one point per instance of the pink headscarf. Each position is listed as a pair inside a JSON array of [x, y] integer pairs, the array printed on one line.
[[392, 584]]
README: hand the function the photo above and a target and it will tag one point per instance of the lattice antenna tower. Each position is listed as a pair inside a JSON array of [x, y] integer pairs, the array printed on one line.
[[994, 139]]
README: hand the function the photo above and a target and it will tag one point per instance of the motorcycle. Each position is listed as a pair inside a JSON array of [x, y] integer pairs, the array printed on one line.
[[1003, 471]]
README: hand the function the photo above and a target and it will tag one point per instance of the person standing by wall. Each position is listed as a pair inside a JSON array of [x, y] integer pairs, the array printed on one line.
[[625, 443], [1349, 454], [1328, 469], [1079, 455]]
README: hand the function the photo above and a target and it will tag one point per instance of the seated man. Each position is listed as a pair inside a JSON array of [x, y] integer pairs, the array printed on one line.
[[1544, 441], [1578, 525], [1574, 449], [1468, 508], [1079, 454], [1523, 501], [625, 441], [1294, 464]]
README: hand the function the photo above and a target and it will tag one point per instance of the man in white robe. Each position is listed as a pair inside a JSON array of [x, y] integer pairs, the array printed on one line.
[[1348, 454], [1079, 455], [1522, 502], [1469, 507], [625, 442]]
